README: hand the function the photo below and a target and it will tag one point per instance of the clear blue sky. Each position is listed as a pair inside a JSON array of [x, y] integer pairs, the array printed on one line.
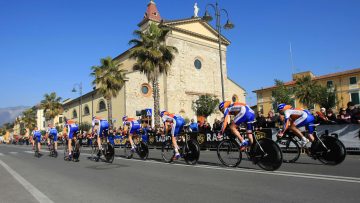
[[50, 45]]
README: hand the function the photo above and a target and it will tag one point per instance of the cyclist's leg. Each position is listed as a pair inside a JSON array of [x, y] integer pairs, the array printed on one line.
[[310, 120], [300, 122], [39, 143], [55, 142], [99, 136], [70, 137], [175, 130], [250, 117], [238, 119]]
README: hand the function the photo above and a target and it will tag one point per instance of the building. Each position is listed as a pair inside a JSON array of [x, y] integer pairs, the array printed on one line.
[[194, 72], [347, 89]]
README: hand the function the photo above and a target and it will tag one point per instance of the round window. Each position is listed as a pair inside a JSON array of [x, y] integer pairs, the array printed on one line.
[[144, 89], [197, 64]]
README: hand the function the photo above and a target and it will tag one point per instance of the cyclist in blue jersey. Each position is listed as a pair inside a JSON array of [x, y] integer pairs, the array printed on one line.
[[177, 123], [72, 129], [132, 126], [52, 132], [242, 114], [100, 127], [37, 136]]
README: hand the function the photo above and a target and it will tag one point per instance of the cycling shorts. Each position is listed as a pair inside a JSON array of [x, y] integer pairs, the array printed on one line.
[[246, 115]]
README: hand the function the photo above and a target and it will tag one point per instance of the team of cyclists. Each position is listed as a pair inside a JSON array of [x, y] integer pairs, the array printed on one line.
[[173, 123]]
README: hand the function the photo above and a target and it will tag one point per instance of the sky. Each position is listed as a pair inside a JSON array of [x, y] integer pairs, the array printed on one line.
[[50, 45]]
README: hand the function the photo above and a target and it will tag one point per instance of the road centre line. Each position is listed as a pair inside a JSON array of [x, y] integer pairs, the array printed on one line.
[[39, 196]]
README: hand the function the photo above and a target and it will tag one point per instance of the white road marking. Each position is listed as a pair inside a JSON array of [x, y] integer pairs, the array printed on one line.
[[13, 152], [1, 154], [41, 197], [29, 152], [277, 173]]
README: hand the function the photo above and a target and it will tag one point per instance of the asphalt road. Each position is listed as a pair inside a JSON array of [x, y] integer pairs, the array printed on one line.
[[24, 178]]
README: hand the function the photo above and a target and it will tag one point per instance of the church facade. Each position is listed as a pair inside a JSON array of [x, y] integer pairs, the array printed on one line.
[[195, 71]]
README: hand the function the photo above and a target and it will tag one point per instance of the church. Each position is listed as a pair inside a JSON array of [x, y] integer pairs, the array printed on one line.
[[195, 71]]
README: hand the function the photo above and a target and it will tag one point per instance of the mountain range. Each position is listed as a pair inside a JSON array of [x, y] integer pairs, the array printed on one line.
[[10, 113]]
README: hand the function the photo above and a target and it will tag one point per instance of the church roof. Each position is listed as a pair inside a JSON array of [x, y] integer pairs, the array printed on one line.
[[173, 23]]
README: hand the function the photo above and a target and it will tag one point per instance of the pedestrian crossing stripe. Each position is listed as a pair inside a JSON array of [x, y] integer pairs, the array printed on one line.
[[29, 152], [13, 152]]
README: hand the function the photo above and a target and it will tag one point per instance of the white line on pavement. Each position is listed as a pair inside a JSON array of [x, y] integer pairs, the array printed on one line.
[[41, 197], [1, 154], [277, 173], [13, 152], [29, 152]]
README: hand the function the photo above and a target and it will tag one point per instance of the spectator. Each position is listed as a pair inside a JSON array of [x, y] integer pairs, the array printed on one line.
[[217, 125], [330, 115], [270, 120], [206, 126], [193, 126], [261, 121], [353, 112], [343, 117]]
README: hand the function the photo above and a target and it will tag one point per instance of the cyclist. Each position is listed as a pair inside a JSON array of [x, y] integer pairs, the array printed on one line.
[[132, 126], [72, 128], [295, 118], [36, 136], [100, 127], [52, 132], [176, 122], [243, 114]]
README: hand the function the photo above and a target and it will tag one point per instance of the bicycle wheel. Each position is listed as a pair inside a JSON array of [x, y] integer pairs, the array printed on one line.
[[335, 153], [167, 151], [289, 148], [127, 150], [191, 152], [109, 153], [143, 150], [268, 155], [229, 154], [66, 153]]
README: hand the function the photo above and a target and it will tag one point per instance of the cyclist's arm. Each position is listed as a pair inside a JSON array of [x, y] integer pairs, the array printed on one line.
[[287, 121], [226, 120]]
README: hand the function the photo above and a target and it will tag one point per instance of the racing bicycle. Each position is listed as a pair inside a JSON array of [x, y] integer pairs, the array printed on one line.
[[108, 149], [75, 143], [189, 149], [51, 147], [141, 148], [328, 149], [263, 152]]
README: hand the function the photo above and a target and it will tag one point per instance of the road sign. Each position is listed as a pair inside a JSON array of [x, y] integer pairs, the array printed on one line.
[[148, 112]]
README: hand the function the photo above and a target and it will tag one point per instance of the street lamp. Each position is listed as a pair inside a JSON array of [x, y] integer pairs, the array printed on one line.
[[207, 17], [79, 86]]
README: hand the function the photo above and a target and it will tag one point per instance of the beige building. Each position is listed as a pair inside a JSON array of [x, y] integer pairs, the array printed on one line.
[[194, 72], [346, 83]]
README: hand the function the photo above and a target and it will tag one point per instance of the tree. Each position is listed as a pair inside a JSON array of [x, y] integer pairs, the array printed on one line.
[[109, 80], [282, 93], [52, 106], [85, 126], [29, 118], [326, 97], [153, 58], [306, 91], [205, 105]]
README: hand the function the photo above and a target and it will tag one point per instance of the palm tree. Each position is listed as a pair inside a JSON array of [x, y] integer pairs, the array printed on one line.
[[29, 119], [153, 58], [109, 80], [306, 91], [52, 106]]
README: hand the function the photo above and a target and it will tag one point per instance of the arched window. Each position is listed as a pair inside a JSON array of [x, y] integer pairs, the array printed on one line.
[[235, 98], [74, 114], [102, 105], [86, 110]]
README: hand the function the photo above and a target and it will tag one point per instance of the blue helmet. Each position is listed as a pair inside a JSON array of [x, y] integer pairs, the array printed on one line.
[[224, 105], [124, 118], [162, 113], [281, 106]]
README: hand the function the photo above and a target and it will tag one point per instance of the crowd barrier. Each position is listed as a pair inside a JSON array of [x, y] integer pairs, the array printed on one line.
[[347, 133]]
